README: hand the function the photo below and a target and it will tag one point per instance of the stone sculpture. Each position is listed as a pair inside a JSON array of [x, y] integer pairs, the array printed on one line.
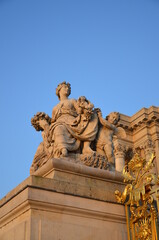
[[107, 129], [76, 131]]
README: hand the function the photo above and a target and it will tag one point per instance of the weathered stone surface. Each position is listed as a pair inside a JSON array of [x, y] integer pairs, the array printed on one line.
[[81, 180], [41, 214], [71, 202]]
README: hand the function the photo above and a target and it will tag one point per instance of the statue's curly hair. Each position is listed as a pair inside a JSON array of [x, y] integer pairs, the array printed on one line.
[[117, 117], [60, 86], [37, 117]]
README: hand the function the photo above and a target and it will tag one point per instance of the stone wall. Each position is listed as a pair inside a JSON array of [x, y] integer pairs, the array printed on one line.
[[142, 130], [70, 202]]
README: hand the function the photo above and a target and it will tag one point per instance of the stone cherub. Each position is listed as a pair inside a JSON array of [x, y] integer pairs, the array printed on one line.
[[106, 132], [41, 122]]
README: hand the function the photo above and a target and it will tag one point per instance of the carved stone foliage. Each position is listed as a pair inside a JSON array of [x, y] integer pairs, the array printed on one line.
[[119, 149], [76, 130], [95, 160]]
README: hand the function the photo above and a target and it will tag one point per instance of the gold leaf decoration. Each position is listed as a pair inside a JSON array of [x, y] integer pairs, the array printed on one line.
[[138, 198]]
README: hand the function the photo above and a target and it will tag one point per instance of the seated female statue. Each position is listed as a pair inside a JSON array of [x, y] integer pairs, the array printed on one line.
[[74, 123]]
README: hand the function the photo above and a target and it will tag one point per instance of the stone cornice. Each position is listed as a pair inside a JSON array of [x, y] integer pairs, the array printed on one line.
[[48, 201], [146, 117]]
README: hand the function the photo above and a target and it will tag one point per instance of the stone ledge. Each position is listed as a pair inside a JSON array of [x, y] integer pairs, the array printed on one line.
[[36, 209], [64, 165], [74, 179], [45, 200]]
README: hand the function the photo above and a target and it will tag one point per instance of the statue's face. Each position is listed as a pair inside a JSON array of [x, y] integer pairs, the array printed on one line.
[[112, 118], [64, 90]]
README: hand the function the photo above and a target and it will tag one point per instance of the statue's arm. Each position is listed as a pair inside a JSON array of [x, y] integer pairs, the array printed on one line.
[[54, 113], [44, 124], [76, 106], [103, 121]]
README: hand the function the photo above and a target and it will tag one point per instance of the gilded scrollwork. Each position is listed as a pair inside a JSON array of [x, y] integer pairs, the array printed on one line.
[[138, 198]]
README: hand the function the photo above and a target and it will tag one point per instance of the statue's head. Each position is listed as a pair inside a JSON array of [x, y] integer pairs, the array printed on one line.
[[59, 87], [113, 117]]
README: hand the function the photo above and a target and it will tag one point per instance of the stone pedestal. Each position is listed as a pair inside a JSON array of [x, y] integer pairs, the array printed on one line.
[[64, 201]]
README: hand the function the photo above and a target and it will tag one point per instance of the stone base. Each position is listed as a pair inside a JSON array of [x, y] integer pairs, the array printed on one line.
[[72, 202]]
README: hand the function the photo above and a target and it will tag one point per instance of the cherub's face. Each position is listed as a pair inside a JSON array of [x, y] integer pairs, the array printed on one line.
[[113, 119], [83, 100]]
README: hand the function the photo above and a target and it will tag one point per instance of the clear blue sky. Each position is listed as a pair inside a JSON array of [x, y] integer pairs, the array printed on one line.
[[107, 49]]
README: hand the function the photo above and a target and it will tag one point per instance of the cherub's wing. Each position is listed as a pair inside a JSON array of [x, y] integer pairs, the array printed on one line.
[[120, 133]]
